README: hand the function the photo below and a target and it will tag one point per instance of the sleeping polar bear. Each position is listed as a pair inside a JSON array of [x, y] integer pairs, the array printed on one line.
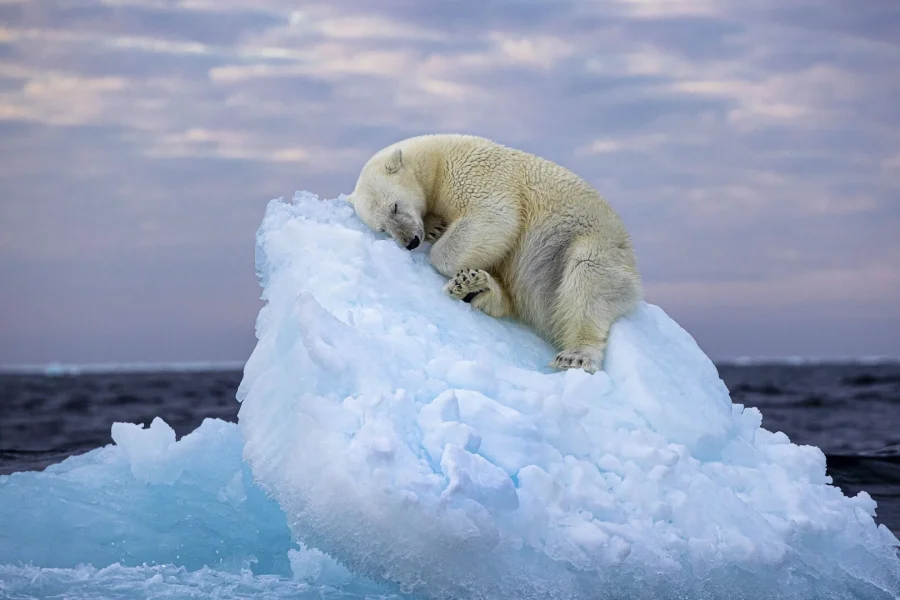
[[518, 236]]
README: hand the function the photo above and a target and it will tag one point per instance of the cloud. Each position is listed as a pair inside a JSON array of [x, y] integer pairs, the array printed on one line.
[[364, 27], [542, 52], [751, 148], [668, 8], [634, 144]]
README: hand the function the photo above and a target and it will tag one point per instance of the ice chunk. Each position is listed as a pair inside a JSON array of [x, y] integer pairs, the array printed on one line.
[[154, 517], [426, 445], [146, 500], [474, 476]]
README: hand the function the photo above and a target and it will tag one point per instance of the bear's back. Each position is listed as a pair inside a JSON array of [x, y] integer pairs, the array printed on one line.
[[473, 168]]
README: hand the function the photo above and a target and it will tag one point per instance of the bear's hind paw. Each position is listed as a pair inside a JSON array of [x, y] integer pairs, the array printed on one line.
[[585, 358]]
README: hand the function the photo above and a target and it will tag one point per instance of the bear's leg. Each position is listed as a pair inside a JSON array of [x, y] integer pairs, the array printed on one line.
[[596, 289], [480, 289], [477, 240], [435, 227]]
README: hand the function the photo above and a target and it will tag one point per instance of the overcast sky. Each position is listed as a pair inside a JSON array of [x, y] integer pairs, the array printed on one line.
[[753, 149]]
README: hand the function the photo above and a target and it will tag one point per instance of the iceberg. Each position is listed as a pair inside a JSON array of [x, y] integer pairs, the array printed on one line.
[[395, 443], [427, 446]]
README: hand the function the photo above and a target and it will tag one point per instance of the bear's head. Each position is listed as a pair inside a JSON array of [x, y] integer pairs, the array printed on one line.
[[389, 198]]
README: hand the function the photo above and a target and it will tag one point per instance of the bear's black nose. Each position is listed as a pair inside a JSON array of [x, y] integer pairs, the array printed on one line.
[[413, 244]]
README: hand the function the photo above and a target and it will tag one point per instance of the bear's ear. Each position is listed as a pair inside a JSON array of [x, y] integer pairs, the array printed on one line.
[[350, 198], [395, 162]]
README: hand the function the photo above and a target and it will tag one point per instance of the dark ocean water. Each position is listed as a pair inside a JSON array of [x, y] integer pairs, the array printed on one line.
[[851, 412]]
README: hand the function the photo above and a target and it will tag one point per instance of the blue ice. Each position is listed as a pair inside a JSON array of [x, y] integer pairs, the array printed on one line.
[[393, 441]]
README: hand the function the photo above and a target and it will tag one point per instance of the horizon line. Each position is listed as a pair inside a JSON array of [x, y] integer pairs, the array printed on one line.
[[52, 368], [60, 368]]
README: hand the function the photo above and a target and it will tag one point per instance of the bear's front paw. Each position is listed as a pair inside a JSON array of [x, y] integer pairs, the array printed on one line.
[[467, 284], [588, 360], [434, 228]]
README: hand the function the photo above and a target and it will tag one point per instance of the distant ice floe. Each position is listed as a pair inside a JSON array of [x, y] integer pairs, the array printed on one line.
[[55, 369]]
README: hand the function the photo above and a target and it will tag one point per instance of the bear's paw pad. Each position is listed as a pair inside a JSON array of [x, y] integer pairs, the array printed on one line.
[[467, 284]]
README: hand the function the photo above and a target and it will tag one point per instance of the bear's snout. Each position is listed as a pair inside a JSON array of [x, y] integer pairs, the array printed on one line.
[[413, 244]]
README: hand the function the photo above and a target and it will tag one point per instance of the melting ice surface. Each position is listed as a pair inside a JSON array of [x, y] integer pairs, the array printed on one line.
[[394, 442]]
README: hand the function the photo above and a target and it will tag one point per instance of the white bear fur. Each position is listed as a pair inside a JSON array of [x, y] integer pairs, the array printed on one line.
[[518, 235]]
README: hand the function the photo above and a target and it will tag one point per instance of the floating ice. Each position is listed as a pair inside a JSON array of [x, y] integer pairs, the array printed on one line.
[[150, 516], [56, 369], [424, 444], [146, 499]]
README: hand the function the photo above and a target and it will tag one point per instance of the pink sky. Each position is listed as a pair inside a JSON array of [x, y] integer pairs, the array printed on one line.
[[754, 152]]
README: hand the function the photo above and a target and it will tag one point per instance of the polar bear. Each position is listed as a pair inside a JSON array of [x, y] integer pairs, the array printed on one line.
[[518, 236]]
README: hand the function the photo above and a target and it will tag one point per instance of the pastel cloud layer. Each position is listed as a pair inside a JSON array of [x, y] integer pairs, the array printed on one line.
[[752, 148]]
